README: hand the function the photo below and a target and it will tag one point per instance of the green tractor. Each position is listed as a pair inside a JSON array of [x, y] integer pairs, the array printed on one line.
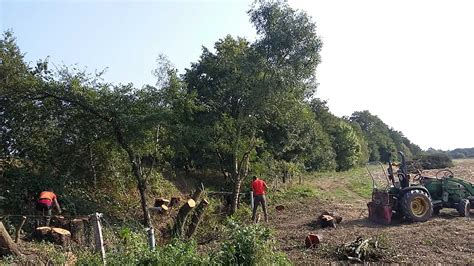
[[448, 192], [417, 202]]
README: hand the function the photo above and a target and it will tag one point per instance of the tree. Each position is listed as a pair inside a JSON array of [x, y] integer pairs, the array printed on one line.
[[377, 134], [45, 110], [242, 85], [347, 146]]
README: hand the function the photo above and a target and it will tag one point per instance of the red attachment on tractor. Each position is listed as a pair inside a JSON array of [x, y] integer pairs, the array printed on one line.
[[381, 214], [380, 210]]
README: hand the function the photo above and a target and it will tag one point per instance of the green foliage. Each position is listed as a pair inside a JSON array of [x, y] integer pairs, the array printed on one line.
[[248, 245], [435, 161], [462, 153], [347, 146], [295, 192], [383, 142], [132, 249]]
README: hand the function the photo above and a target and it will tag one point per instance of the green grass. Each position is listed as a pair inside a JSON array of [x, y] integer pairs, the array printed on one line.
[[354, 184], [294, 193]]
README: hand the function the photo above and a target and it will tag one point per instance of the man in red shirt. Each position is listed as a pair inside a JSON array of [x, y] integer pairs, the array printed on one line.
[[258, 188]]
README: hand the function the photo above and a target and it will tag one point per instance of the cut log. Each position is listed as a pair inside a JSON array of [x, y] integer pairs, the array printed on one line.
[[196, 218], [7, 246], [174, 201], [181, 217], [161, 201], [280, 207], [312, 240], [327, 221], [61, 236], [41, 232], [55, 235]]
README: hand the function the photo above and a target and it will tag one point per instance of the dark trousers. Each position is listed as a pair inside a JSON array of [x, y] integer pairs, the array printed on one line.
[[259, 200], [44, 210]]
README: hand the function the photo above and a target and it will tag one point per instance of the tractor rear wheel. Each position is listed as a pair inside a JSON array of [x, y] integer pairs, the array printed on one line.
[[417, 206], [464, 208]]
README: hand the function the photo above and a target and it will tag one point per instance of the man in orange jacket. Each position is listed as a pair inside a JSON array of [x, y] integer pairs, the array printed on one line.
[[45, 204], [258, 188]]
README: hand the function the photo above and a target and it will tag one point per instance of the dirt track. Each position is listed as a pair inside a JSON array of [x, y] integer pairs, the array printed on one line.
[[446, 238]]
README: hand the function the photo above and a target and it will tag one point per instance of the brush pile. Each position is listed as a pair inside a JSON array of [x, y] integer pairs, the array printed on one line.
[[360, 250]]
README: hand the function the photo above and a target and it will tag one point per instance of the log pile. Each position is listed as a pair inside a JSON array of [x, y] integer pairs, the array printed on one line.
[[327, 219], [360, 250]]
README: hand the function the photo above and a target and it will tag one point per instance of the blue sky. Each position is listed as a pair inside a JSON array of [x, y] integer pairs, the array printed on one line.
[[409, 62], [124, 36]]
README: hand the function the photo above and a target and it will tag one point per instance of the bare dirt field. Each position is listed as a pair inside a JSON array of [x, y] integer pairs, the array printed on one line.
[[446, 238]]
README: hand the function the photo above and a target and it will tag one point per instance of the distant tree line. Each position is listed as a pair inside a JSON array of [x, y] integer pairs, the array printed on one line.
[[459, 153], [244, 107]]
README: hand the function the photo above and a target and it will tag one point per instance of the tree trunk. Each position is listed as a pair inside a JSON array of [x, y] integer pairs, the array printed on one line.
[[197, 194], [146, 214], [235, 195], [196, 218], [181, 217], [7, 246], [137, 173]]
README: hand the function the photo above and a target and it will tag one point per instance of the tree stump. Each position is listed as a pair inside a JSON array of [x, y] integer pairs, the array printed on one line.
[[7, 246], [54, 235], [196, 218], [77, 231], [327, 219], [181, 217], [161, 201], [312, 240]]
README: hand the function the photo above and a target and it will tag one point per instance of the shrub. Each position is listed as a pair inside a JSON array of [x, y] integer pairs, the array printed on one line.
[[248, 245], [435, 161]]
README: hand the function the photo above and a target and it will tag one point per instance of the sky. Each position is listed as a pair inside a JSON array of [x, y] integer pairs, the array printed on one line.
[[408, 62]]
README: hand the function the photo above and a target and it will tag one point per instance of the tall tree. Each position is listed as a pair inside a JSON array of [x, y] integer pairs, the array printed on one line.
[[243, 85]]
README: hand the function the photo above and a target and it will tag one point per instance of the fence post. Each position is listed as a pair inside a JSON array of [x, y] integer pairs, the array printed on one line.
[[151, 238], [99, 240], [251, 199]]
